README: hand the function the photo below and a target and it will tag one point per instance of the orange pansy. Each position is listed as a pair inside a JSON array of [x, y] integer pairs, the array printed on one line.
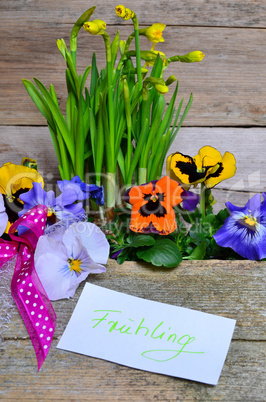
[[152, 206]]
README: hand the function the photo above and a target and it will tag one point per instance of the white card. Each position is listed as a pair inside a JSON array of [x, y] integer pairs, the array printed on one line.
[[148, 335]]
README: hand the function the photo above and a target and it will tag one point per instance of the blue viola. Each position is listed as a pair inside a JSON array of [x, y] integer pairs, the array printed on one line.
[[244, 230]]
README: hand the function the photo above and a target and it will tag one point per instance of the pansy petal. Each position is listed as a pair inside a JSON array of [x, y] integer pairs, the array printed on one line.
[[54, 276], [35, 196], [185, 169], [51, 244], [3, 216], [93, 239], [224, 169]]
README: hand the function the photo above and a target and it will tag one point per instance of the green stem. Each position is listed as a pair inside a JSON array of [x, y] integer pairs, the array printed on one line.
[[202, 201], [142, 175], [111, 151], [138, 61], [110, 190]]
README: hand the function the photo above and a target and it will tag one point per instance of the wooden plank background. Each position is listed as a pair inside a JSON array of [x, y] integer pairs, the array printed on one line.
[[232, 289], [228, 112], [229, 106]]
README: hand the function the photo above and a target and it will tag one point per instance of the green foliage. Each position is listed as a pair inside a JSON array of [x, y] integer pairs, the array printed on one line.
[[118, 128]]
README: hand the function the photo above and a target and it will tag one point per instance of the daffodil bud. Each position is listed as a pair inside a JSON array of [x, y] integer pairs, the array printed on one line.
[[162, 89], [62, 47], [120, 11], [170, 80], [195, 56], [122, 45], [128, 14], [101, 23], [96, 27]]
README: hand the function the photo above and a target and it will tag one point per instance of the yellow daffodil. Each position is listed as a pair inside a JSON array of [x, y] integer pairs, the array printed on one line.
[[15, 180], [208, 167], [120, 11], [95, 27], [154, 33]]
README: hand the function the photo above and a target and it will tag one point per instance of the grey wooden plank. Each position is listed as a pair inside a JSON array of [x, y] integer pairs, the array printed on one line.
[[69, 376], [234, 289], [228, 85], [233, 13]]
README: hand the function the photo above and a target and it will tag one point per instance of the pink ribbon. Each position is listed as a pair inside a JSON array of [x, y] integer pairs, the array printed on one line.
[[27, 290]]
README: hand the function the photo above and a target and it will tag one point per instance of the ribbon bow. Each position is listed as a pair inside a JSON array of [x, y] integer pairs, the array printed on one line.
[[27, 290]]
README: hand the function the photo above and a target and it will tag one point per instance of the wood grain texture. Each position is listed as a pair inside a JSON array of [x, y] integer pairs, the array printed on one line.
[[228, 85], [247, 144], [235, 13], [233, 289]]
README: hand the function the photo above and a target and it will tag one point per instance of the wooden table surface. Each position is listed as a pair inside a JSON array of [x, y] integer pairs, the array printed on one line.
[[228, 112], [234, 289]]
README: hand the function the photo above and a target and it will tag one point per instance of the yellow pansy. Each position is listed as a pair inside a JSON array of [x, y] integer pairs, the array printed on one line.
[[154, 33], [208, 167], [15, 180]]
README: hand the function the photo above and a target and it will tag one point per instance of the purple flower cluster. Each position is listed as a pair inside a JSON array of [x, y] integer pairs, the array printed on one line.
[[67, 204]]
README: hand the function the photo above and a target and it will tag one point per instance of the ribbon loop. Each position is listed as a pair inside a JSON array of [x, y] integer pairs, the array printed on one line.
[[27, 290]]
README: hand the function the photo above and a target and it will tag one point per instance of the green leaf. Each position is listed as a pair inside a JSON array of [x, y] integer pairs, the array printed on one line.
[[198, 253], [140, 240], [76, 28], [164, 252]]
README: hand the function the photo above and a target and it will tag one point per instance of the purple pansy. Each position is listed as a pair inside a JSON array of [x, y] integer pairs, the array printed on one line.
[[190, 200], [65, 257], [61, 207], [245, 229], [83, 190], [3, 216]]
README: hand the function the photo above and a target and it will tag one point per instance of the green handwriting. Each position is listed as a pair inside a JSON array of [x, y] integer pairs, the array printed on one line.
[[157, 332]]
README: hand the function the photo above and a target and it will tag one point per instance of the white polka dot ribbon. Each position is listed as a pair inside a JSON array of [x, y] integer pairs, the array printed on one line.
[[27, 290]]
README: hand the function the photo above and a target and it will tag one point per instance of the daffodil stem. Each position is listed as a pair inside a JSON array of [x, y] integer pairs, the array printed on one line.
[[138, 61], [110, 190], [111, 151], [142, 175], [202, 201]]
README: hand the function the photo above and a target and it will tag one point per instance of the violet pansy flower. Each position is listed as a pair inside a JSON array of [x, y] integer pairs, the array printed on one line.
[[3, 216], [64, 258], [83, 190], [245, 229], [61, 207]]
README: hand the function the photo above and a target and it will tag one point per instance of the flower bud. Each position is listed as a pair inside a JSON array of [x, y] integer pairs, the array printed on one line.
[[170, 80], [195, 56], [162, 89], [122, 45], [91, 27], [101, 23], [120, 11], [128, 14]]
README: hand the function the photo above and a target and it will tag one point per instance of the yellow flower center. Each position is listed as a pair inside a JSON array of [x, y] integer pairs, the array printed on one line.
[[157, 34], [50, 212], [74, 265], [250, 222]]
